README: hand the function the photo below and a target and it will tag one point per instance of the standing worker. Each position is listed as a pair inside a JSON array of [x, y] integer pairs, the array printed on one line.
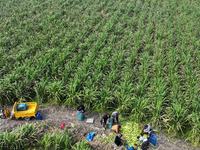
[[104, 120], [147, 129], [115, 114], [81, 109], [144, 141]]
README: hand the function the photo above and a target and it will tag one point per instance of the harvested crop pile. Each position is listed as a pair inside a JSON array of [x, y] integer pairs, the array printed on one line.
[[130, 131]]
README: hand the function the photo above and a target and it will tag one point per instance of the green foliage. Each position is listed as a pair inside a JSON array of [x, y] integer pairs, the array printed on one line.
[[23, 137], [82, 145], [33, 136], [55, 141], [108, 139], [130, 131], [142, 58]]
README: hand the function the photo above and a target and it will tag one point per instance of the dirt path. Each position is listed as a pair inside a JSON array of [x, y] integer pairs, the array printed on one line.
[[61, 114]]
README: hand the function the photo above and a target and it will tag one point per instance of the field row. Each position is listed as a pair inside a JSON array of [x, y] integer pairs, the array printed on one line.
[[141, 57]]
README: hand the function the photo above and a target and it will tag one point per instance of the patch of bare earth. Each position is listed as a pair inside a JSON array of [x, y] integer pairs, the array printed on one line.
[[56, 115]]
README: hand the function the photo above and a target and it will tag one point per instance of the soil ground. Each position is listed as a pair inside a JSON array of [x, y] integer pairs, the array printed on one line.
[[57, 115]]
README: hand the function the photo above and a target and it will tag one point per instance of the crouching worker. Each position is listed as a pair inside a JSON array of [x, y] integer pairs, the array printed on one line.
[[115, 115], [116, 128], [81, 109], [147, 129], [118, 140], [104, 120], [144, 141]]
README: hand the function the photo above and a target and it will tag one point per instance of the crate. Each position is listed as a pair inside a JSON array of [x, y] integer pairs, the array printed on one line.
[[90, 120], [81, 116], [153, 139], [110, 123]]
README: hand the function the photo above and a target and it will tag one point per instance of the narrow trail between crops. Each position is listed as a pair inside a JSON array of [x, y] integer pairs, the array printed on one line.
[[56, 115]]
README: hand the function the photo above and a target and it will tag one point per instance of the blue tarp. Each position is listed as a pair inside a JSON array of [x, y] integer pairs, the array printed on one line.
[[129, 148], [90, 136]]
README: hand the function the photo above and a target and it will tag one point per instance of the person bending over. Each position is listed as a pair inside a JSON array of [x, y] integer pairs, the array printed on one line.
[[118, 140], [104, 120], [116, 128], [115, 115], [81, 109], [147, 129], [144, 141]]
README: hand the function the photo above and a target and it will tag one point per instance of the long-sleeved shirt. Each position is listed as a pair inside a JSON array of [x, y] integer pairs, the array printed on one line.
[[115, 114], [148, 129], [105, 118], [142, 139]]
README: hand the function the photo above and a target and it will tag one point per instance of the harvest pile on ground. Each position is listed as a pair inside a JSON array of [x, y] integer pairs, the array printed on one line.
[[130, 131], [142, 58]]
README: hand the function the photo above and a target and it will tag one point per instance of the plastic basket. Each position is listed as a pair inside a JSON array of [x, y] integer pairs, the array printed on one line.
[[38, 116], [80, 116], [110, 123]]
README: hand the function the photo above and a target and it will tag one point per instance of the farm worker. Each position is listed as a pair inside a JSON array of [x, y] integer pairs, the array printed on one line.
[[115, 114], [118, 140], [102, 12], [147, 129], [144, 141], [81, 109], [104, 120], [12, 114], [2, 113], [116, 128]]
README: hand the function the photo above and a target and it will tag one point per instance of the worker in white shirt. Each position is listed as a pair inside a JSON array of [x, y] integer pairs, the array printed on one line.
[[144, 141], [147, 129]]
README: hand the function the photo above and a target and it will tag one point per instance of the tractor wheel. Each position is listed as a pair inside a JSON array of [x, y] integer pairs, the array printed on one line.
[[27, 118]]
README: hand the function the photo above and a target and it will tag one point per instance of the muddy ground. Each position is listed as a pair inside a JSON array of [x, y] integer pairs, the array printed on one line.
[[57, 115]]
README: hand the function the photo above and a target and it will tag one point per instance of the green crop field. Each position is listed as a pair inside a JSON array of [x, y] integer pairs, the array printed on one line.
[[34, 137], [141, 57]]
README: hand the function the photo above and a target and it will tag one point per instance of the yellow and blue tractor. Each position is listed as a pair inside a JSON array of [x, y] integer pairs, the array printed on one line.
[[25, 110]]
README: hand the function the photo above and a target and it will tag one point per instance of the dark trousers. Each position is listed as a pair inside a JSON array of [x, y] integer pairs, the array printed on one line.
[[118, 141], [116, 119], [104, 123], [145, 145]]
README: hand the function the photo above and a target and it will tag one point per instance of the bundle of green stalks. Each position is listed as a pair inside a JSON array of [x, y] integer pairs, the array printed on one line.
[[130, 131]]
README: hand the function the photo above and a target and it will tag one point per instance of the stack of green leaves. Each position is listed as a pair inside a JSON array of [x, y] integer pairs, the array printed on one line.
[[130, 130]]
